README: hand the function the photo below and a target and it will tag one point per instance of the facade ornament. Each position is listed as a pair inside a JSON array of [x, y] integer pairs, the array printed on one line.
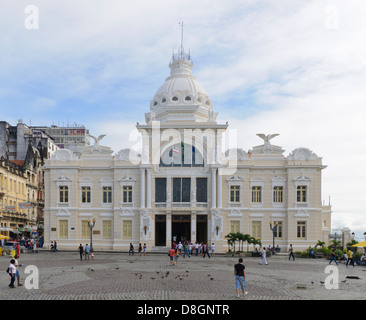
[[95, 146], [266, 139]]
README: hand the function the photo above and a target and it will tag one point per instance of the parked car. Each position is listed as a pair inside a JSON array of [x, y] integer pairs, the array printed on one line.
[[10, 245]]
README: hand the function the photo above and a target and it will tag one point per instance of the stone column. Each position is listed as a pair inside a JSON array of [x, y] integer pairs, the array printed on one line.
[[193, 227], [213, 188], [219, 189], [142, 188], [168, 229], [148, 188], [169, 191]]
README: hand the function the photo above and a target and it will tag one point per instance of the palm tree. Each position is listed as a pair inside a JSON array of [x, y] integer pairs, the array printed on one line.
[[247, 238], [255, 241], [231, 239], [240, 238], [319, 244], [335, 244], [350, 244]]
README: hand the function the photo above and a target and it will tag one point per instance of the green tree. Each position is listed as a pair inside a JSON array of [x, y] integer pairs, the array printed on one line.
[[350, 244], [320, 244], [335, 244], [231, 239]]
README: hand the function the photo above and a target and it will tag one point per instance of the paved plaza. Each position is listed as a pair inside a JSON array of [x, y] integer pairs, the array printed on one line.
[[118, 276]]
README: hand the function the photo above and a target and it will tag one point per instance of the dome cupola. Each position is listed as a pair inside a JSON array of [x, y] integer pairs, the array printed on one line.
[[181, 97]]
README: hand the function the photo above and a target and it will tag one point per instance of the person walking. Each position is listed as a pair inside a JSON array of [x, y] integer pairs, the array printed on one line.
[[239, 271], [176, 257], [171, 256], [206, 250], [196, 248], [333, 257], [12, 271], [145, 247], [213, 249], [81, 251], [87, 251], [17, 274], [350, 258], [140, 249], [291, 250], [264, 257], [131, 252]]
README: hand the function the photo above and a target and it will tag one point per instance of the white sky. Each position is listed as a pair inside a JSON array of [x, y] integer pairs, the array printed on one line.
[[296, 68]]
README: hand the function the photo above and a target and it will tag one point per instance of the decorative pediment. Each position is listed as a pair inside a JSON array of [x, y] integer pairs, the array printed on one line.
[[238, 152], [127, 178], [62, 179], [235, 213], [127, 155], [302, 178], [302, 154], [64, 155], [301, 214], [235, 178]]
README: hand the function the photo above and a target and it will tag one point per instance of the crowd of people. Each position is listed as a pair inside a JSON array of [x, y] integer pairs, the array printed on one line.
[[188, 249]]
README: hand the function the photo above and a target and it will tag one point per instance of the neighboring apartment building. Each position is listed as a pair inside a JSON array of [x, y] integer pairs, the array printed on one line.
[[74, 138], [23, 151], [182, 186]]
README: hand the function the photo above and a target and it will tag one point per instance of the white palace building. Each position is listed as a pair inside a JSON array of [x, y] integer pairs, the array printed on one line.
[[182, 185]]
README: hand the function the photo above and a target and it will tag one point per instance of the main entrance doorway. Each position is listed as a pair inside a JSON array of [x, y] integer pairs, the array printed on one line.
[[160, 230], [201, 228], [181, 227]]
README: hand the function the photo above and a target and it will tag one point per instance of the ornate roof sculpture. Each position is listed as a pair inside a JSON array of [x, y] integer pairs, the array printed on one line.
[[267, 148], [303, 154]]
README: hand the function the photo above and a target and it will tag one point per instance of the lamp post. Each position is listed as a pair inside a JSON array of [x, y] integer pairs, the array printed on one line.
[[91, 225], [273, 229]]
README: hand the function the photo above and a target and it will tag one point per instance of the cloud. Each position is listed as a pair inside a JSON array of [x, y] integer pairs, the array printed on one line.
[[297, 69]]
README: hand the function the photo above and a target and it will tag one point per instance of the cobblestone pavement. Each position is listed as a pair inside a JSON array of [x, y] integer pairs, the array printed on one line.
[[118, 276]]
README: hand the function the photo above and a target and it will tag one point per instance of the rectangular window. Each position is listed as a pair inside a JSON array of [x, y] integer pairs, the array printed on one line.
[[107, 229], [63, 229], [85, 230], [201, 189], [234, 193], [64, 194], [160, 189], [127, 194], [301, 230], [301, 193], [85, 194], [256, 194], [277, 194], [127, 229], [257, 229], [234, 226], [181, 189], [278, 230], [107, 194]]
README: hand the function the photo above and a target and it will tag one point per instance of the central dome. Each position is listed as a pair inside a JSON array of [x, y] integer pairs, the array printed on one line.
[[181, 97]]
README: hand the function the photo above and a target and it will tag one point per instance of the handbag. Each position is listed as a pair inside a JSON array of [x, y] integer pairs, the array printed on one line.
[[7, 270]]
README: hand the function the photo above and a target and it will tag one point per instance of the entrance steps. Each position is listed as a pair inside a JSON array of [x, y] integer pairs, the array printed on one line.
[[160, 249]]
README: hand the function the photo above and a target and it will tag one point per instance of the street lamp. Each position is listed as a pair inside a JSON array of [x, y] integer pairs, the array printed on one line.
[[274, 230], [91, 225]]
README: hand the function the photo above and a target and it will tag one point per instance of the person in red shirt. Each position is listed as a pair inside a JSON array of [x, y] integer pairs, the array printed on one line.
[[171, 255]]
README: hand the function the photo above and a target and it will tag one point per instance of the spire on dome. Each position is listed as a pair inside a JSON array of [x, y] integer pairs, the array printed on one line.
[[181, 55]]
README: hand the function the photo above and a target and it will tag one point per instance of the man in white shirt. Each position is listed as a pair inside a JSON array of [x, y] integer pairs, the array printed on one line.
[[263, 257], [12, 272], [213, 249]]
